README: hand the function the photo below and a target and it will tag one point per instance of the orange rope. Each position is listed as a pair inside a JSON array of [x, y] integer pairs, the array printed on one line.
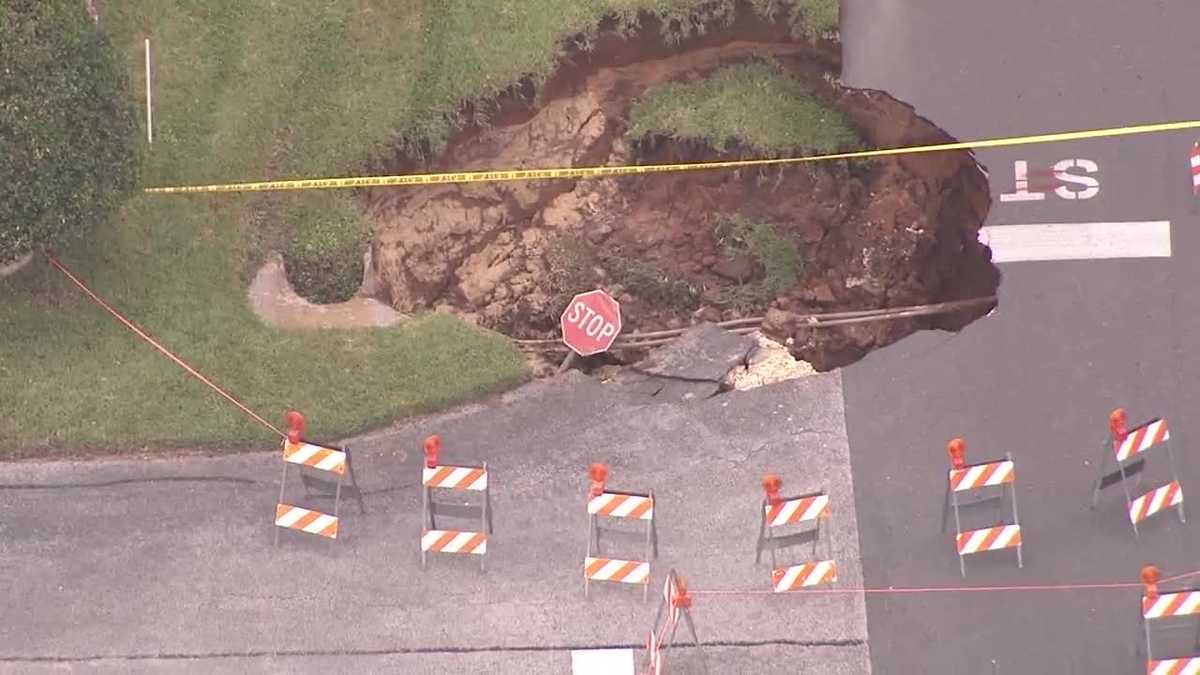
[[157, 345], [946, 589]]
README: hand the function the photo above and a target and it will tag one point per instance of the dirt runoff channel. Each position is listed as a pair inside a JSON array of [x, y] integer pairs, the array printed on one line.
[[888, 232]]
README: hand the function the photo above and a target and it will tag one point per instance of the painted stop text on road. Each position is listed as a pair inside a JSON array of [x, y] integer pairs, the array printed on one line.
[[1069, 179]]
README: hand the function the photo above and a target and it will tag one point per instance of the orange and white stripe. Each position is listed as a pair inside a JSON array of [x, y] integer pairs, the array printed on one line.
[[454, 541], [989, 539], [797, 510], [611, 569], [1183, 603], [670, 593], [1184, 666], [804, 575], [981, 475], [1196, 169], [621, 506], [312, 522], [1141, 439], [1154, 501], [654, 649], [315, 456], [455, 477]]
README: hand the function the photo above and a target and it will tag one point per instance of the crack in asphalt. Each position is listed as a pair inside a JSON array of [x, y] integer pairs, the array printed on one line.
[[399, 651], [130, 481]]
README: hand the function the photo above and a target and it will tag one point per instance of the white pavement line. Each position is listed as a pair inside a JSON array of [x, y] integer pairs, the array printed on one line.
[[602, 662], [1078, 241]]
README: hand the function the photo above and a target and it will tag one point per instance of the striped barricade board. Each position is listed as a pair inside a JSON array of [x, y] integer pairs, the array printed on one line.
[[471, 487], [793, 521], [454, 541], [804, 575], [306, 520], [1185, 666]]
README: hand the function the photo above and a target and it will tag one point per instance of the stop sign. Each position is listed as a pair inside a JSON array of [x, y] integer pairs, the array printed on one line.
[[591, 322]]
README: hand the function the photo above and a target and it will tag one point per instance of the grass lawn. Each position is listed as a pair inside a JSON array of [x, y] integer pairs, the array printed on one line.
[[246, 89], [782, 117]]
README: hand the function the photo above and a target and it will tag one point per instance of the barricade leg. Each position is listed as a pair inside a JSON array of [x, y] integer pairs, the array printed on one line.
[[946, 506], [282, 486], [1100, 478], [362, 507], [593, 535], [1012, 492], [1128, 499], [485, 521], [654, 527], [962, 563], [762, 530], [1174, 477], [337, 501]]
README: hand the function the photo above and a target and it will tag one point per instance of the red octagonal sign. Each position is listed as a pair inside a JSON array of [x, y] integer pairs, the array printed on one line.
[[591, 322]]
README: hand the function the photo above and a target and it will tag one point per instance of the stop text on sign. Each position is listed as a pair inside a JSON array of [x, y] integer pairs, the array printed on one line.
[[591, 322]]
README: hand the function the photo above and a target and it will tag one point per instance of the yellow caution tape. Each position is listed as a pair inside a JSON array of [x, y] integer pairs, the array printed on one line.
[[609, 171]]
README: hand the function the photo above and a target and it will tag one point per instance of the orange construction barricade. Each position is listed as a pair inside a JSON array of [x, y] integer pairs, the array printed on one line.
[[988, 483], [313, 457], [1128, 450], [785, 522], [461, 479], [614, 505], [1170, 611], [676, 604]]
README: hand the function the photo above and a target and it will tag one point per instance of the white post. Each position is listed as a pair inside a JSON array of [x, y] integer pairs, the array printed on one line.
[[149, 113]]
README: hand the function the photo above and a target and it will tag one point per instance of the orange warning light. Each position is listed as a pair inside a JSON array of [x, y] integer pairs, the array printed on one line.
[[957, 449], [1116, 424], [599, 475], [682, 598], [772, 484], [433, 447], [295, 424], [1150, 581]]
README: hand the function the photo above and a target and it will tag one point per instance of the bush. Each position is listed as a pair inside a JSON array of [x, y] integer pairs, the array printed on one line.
[[649, 283], [324, 260], [67, 126]]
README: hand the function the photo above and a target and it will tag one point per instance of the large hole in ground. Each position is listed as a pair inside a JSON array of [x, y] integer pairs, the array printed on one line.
[[681, 247]]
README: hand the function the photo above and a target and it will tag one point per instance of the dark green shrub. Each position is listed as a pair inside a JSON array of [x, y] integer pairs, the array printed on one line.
[[324, 260]]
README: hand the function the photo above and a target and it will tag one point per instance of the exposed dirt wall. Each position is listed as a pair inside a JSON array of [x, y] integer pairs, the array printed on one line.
[[888, 232]]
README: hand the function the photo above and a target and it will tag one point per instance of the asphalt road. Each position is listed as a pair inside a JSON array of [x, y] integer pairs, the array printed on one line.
[[168, 566], [1069, 341]]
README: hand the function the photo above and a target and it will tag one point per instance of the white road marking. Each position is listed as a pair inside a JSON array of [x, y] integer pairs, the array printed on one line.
[[1078, 241], [602, 662]]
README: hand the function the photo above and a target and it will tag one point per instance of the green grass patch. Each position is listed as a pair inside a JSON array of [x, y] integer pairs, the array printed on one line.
[[754, 105], [246, 90], [775, 255]]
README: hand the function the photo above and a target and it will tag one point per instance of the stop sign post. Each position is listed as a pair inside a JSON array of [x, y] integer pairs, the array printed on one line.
[[591, 322]]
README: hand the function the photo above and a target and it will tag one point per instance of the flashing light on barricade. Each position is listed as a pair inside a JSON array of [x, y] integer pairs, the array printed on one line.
[[772, 484], [681, 599], [1150, 577], [599, 475], [1117, 425], [296, 425], [433, 448], [957, 450]]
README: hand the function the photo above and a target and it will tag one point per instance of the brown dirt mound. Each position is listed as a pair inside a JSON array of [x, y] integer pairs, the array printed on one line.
[[889, 232]]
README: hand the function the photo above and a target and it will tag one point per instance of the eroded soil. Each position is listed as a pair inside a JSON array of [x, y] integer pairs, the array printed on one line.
[[888, 232]]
